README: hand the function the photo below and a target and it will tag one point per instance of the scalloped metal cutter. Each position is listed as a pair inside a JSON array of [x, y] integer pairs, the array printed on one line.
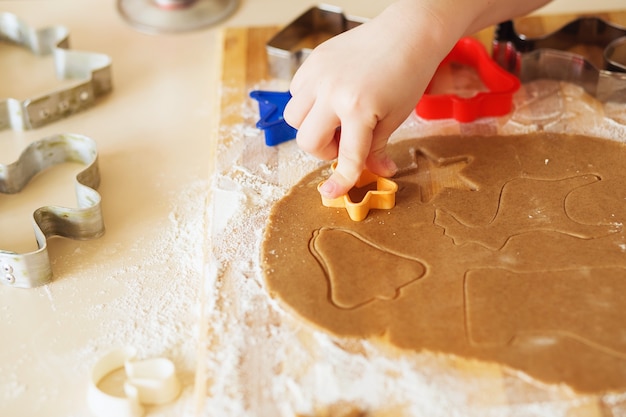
[[550, 56], [92, 72], [33, 269]]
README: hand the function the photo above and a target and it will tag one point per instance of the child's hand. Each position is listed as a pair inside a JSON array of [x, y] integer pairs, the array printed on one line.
[[365, 81]]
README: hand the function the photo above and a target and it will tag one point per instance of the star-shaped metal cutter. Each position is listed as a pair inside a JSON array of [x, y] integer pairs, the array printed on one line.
[[548, 57], [383, 197], [85, 222], [495, 102], [92, 71]]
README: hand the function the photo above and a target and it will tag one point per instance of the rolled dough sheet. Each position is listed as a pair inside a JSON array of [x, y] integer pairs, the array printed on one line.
[[506, 249]]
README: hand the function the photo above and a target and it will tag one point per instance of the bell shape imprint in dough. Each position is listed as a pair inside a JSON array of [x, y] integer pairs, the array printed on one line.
[[353, 281]]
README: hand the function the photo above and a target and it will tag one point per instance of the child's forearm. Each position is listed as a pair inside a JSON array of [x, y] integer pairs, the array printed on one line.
[[496, 11], [448, 20]]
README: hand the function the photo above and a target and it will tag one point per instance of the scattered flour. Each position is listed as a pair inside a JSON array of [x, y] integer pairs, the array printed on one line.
[[110, 293], [259, 359]]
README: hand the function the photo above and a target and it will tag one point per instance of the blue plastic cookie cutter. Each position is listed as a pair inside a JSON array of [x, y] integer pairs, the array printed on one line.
[[271, 108]]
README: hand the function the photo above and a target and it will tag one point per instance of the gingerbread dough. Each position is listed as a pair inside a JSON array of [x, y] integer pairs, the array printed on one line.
[[500, 248]]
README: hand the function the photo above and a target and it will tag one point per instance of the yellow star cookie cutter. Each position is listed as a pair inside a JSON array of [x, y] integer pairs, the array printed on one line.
[[383, 197]]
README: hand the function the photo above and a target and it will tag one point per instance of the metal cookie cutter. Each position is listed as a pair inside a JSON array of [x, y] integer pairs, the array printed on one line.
[[495, 102], [549, 57], [148, 382], [85, 222], [383, 197], [292, 45], [91, 70]]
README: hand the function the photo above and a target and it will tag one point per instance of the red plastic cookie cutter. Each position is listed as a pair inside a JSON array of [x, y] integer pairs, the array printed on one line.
[[495, 102], [383, 197]]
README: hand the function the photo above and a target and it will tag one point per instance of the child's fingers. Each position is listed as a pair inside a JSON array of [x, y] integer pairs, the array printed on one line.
[[354, 146], [316, 134], [381, 164], [297, 109], [378, 161]]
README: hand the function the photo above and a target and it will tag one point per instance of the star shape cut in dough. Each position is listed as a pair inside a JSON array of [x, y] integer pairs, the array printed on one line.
[[432, 176]]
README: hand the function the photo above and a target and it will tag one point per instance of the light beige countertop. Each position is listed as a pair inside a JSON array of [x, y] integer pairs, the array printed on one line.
[[140, 283]]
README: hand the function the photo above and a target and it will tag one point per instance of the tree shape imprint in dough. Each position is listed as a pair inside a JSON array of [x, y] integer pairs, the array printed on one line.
[[529, 309], [608, 196], [433, 176], [354, 282], [527, 205]]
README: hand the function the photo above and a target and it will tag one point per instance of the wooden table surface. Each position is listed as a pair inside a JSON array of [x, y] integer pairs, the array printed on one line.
[[487, 389]]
